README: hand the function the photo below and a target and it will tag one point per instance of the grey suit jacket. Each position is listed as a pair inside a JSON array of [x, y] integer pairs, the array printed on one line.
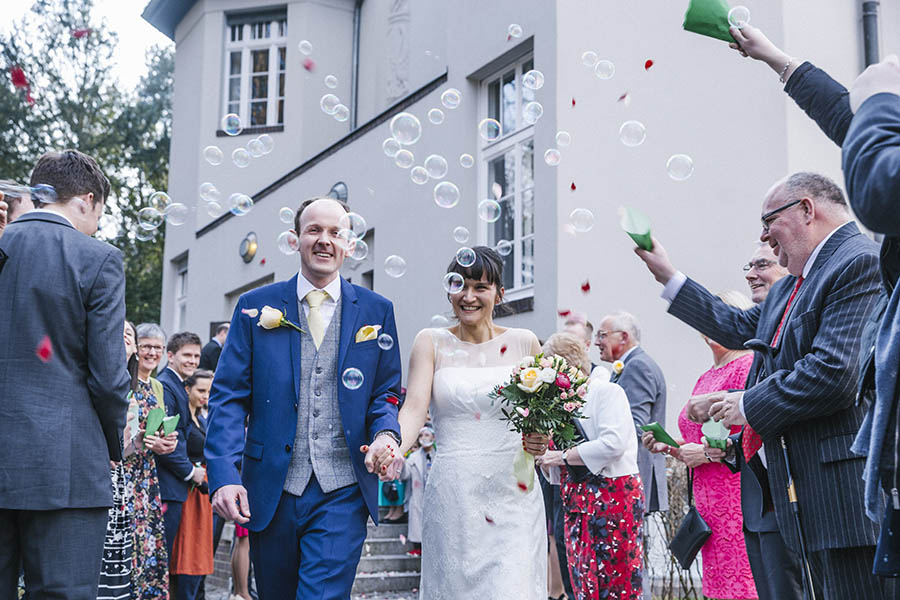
[[810, 399], [645, 386], [61, 421]]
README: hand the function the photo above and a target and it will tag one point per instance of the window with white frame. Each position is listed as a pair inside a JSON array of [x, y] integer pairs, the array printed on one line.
[[181, 292], [255, 57], [507, 174]]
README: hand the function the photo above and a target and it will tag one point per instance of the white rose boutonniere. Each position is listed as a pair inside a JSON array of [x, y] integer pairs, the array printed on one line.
[[272, 318], [618, 367]]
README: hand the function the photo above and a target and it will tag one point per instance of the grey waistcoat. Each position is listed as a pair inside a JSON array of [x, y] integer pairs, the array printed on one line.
[[319, 444]]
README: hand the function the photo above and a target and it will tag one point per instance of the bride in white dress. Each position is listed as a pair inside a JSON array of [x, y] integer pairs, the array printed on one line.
[[483, 535]]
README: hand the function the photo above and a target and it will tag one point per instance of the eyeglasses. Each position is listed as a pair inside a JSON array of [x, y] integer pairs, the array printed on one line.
[[767, 219], [604, 334], [148, 348], [760, 265]]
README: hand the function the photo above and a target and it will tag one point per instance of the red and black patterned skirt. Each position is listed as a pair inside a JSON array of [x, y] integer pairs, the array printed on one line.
[[604, 536]]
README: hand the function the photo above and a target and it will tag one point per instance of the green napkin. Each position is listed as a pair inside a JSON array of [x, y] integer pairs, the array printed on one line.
[[715, 433], [637, 226], [709, 18]]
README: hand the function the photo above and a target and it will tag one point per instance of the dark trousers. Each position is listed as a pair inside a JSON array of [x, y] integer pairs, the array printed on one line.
[[776, 569], [60, 550], [171, 522], [311, 548], [559, 536], [843, 573], [189, 587]]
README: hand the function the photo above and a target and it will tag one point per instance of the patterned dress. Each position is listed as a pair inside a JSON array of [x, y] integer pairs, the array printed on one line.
[[150, 562], [717, 495]]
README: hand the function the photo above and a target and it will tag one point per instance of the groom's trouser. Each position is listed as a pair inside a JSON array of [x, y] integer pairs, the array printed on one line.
[[311, 548]]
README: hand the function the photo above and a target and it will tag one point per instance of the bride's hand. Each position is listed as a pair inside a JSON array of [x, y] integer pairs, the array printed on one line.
[[551, 458], [535, 443]]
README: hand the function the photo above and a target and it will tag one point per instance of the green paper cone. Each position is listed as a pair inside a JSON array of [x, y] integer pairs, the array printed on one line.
[[170, 423], [523, 469], [715, 433], [709, 18], [637, 226], [154, 421]]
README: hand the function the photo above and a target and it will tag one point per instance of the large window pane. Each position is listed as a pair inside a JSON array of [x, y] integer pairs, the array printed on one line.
[[528, 261], [260, 87], [509, 103], [235, 67], [281, 58], [528, 212], [494, 100], [527, 94], [502, 172], [527, 165], [260, 61], [234, 89], [258, 113]]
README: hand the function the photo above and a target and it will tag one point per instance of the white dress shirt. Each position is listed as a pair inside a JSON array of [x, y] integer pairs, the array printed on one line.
[[53, 212], [333, 291]]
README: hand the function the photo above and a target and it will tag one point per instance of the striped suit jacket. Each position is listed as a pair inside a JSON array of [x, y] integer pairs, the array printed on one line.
[[810, 399]]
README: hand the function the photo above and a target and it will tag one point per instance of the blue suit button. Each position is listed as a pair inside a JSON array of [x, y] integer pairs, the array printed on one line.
[[318, 369], [295, 406], [319, 392], [316, 413], [315, 435], [287, 447]]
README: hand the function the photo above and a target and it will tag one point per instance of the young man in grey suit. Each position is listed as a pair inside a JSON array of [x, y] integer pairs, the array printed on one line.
[[63, 382], [813, 321]]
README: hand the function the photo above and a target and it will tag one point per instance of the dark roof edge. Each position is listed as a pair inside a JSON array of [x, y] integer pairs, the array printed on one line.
[[165, 15]]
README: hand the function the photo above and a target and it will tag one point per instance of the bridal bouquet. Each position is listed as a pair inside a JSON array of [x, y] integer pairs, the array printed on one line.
[[544, 395]]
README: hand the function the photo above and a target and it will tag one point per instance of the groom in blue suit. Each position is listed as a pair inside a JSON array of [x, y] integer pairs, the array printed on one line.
[[317, 402]]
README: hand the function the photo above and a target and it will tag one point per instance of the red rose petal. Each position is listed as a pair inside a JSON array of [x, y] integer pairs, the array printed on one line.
[[18, 77], [623, 97], [572, 186], [586, 287], [29, 98], [648, 64], [502, 349], [522, 486], [488, 519], [564, 313], [309, 64], [45, 350], [262, 262], [80, 33], [392, 400], [573, 102]]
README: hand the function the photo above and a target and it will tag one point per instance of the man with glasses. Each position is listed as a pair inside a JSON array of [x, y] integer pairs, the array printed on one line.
[[804, 405], [762, 272]]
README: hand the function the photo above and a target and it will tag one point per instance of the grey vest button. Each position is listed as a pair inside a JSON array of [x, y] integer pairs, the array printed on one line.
[[319, 392], [315, 435], [316, 413], [319, 370]]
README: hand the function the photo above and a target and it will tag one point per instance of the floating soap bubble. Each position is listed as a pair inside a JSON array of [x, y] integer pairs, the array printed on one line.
[[144, 235], [255, 148], [632, 133], [533, 80], [209, 192], [489, 210], [215, 209], [552, 157], [446, 194], [439, 321], [604, 69], [240, 157], [43, 192], [466, 161], [241, 204], [176, 214], [149, 218], [305, 47], [739, 16], [419, 175], [159, 201], [359, 251], [331, 81], [268, 144], [589, 58], [465, 257], [436, 116], [286, 215], [288, 242], [680, 166], [341, 113], [404, 159], [514, 31], [489, 129], [329, 103], [390, 147], [582, 220], [352, 378], [454, 283], [355, 222], [461, 235], [394, 266], [406, 128], [436, 165], [231, 124], [213, 155], [451, 98], [504, 247], [563, 138], [346, 239], [532, 112], [385, 341]]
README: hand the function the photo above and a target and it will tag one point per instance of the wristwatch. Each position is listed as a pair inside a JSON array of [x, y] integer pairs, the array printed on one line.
[[565, 457], [391, 434]]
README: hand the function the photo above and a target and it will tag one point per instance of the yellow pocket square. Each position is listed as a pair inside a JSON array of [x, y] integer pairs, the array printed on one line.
[[367, 332]]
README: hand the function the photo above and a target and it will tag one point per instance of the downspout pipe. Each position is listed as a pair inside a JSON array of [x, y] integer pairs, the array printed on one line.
[[354, 78], [870, 31]]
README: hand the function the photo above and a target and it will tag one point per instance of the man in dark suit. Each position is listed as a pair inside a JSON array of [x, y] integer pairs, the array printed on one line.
[[813, 321], [209, 356], [63, 384]]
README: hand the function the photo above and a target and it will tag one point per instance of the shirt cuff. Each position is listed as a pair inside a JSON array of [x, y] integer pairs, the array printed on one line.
[[673, 286], [741, 407], [190, 475]]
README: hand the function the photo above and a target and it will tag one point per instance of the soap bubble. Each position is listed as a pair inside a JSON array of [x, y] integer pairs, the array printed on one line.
[[466, 161], [159, 201], [739, 16], [149, 218], [176, 214], [240, 157], [589, 58], [329, 103], [532, 112], [454, 283], [255, 148], [394, 266], [352, 378], [582, 220], [43, 192], [286, 215], [215, 209], [385, 341], [436, 165], [404, 159], [390, 147], [563, 139], [144, 235], [355, 222], [461, 235], [552, 157], [359, 251], [489, 210], [304, 47], [419, 175], [436, 116], [504, 247], [465, 257], [514, 30], [341, 113], [288, 242], [533, 80], [406, 128], [268, 144], [680, 166], [632, 133], [241, 204], [446, 194], [451, 98], [489, 129], [604, 69], [439, 321], [331, 81], [231, 124], [209, 192], [213, 155]]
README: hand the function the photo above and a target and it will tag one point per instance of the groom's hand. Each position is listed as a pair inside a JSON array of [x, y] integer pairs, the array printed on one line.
[[657, 260], [230, 501], [381, 456]]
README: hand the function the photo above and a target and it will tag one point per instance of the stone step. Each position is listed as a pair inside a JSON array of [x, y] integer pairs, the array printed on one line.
[[386, 530], [386, 581], [388, 562], [381, 546]]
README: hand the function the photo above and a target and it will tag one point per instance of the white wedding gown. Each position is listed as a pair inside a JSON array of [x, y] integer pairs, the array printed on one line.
[[483, 537]]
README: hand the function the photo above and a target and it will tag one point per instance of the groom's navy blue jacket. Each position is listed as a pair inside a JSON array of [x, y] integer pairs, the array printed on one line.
[[259, 375]]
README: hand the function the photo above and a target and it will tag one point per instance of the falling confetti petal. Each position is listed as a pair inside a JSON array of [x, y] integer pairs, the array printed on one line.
[[625, 99], [573, 102], [262, 262], [18, 77], [648, 64], [488, 519], [502, 349], [29, 98], [564, 313], [80, 33], [250, 312], [309, 64], [402, 539], [522, 486], [497, 191], [573, 186], [478, 416], [392, 400], [586, 287], [45, 350]]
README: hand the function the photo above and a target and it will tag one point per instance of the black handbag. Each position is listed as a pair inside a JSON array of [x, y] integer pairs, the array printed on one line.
[[692, 533], [579, 473]]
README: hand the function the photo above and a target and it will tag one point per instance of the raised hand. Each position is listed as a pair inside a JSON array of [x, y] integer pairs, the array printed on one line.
[[753, 43], [657, 260], [878, 78], [230, 501]]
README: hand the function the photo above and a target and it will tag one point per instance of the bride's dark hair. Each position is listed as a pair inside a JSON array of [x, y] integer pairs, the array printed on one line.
[[487, 263]]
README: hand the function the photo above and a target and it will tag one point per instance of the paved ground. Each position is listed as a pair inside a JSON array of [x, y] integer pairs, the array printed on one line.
[[213, 593]]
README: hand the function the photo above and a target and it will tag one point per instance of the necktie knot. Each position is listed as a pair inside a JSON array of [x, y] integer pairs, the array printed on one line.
[[315, 298]]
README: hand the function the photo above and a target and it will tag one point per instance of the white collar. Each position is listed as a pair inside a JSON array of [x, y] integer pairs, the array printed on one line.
[[180, 378], [632, 349], [53, 212], [333, 289], [815, 253]]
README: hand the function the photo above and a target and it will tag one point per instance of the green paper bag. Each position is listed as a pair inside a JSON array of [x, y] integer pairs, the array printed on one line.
[[523, 469], [170, 423], [660, 434], [637, 226], [716, 434], [154, 421], [709, 18]]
